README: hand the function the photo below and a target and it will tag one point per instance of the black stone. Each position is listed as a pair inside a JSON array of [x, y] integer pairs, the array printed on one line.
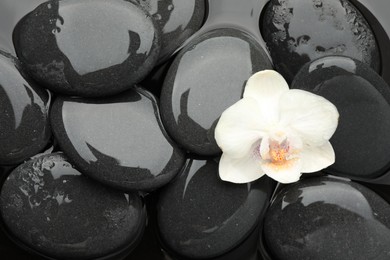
[[328, 218], [87, 48], [363, 101], [207, 77], [376, 13], [176, 19], [201, 216], [119, 141], [298, 31], [52, 209], [24, 112], [10, 251]]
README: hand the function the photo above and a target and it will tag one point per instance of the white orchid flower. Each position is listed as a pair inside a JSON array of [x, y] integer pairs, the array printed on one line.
[[275, 131]]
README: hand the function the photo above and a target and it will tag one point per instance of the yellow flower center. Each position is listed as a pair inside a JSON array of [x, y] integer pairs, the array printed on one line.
[[279, 151]]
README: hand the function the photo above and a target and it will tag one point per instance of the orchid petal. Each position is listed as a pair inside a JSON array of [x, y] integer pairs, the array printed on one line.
[[312, 117], [317, 158], [266, 87], [287, 173], [242, 170], [238, 128], [264, 148]]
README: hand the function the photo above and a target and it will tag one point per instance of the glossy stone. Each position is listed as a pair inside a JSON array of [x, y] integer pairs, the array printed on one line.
[[177, 20], [363, 101], [376, 13], [119, 141], [24, 108], [326, 218], [51, 208], [87, 48], [207, 77], [11, 251], [298, 31], [201, 216]]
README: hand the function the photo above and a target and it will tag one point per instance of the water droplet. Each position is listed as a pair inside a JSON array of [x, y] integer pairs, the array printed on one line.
[[170, 7], [317, 3]]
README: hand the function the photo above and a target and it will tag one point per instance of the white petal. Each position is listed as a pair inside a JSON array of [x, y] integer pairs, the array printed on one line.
[[311, 116], [242, 170], [317, 158], [288, 173], [239, 127], [264, 148], [266, 87]]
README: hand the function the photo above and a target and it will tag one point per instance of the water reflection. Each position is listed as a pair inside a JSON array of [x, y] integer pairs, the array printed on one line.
[[62, 214], [318, 216], [71, 46], [11, 12], [191, 223], [177, 21], [24, 126], [206, 78]]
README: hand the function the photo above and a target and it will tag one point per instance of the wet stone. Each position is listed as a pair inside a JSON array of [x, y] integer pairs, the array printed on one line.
[[50, 208], [363, 101], [24, 108], [119, 141], [87, 48], [298, 31], [11, 251], [207, 77], [176, 19], [376, 13], [200, 216], [328, 218]]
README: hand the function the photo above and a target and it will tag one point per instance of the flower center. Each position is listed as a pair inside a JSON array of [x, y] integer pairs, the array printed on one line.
[[279, 152]]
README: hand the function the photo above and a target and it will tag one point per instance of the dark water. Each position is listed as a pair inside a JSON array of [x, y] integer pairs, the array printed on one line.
[[244, 15]]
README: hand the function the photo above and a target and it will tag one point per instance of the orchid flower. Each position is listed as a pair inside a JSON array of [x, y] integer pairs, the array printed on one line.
[[275, 131]]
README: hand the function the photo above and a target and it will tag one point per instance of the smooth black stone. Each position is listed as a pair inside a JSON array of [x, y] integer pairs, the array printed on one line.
[[380, 189], [328, 218], [24, 112], [119, 141], [50, 207], [149, 248], [177, 21], [247, 250], [377, 15], [241, 15], [298, 31], [9, 250], [201, 216], [155, 79], [363, 101], [87, 48], [207, 77]]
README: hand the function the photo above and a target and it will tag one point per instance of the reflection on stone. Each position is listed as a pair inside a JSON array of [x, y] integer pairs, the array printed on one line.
[[328, 218], [119, 141], [24, 108], [72, 48], [363, 101], [201, 216], [51, 208], [297, 32], [207, 77]]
